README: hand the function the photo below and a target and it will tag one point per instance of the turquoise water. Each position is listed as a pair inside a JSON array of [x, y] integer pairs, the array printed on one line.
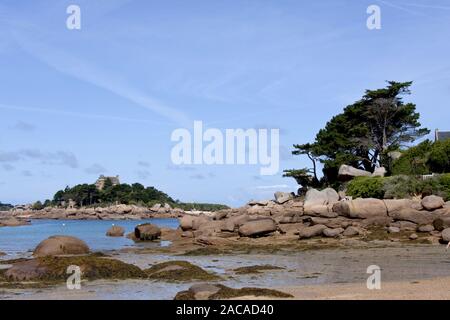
[[19, 240]]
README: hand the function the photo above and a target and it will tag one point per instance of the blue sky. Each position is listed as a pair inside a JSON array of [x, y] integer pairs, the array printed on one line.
[[104, 99]]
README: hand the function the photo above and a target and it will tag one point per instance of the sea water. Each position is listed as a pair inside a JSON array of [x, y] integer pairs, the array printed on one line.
[[20, 240]]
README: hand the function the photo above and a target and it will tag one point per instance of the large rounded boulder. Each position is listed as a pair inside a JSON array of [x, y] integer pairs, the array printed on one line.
[[257, 228], [432, 202], [361, 208], [61, 245], [147, 232]]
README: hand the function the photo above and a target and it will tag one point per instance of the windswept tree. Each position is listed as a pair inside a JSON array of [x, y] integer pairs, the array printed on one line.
[[364, 133]]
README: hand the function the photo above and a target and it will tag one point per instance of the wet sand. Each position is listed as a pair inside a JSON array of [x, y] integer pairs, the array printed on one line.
[[407, 272]]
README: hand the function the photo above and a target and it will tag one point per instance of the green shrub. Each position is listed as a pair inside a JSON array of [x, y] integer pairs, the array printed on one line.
[[427, 157], [366, 187], [444, 181], [414, 160], [402, 187], [399, 187]]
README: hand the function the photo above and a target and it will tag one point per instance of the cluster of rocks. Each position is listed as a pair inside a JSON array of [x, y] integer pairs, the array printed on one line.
[[115, 212], [322, 213], [13, 222]]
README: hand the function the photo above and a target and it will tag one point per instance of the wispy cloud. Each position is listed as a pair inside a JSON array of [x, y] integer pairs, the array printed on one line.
[[8, 167], [144, 164], [63, 158], [24, 126], [76, 114], [83, 70], [143, 174], [95, 169]]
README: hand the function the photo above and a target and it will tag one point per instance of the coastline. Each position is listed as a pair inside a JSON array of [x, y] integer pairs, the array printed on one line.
[[408, 272]]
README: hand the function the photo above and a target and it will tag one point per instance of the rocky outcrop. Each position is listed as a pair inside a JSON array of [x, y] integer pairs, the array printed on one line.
[[13, 222], [415, 216], [361, 208], [115, 212], [60, 245], [282, 197], [313, 231], [348, 172], [324, 197]]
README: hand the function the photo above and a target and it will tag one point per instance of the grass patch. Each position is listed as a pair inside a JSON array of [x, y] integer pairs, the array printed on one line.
[[178, 271]]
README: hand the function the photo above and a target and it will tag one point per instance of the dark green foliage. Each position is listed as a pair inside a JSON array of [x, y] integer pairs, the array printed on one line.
[[363, 134], [5, 206], [201, 206], [366, 187], [402, 187], [88, 194], [425, 158], [439, 157], [37, 205], [399, 187]]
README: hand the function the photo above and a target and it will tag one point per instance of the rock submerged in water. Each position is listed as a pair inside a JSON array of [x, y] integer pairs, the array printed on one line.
[[61, 245], [13, 222], [115, 231], [145, 232]]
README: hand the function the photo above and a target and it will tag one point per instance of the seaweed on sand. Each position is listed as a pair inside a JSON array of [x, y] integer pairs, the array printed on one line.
[[225, 292], [256, 269], [178, 271]]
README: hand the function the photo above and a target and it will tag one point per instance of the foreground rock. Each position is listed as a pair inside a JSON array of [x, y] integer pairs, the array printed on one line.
[[257, 228], [55, 269], [61, 245], [219, 291], [178, 271], [115, 231]]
